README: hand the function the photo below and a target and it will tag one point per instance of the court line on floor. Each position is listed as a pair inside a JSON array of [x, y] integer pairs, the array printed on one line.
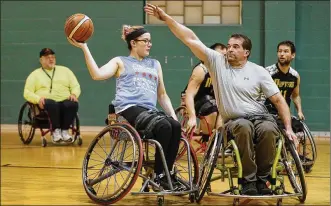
[[38, 167], [48, 167]]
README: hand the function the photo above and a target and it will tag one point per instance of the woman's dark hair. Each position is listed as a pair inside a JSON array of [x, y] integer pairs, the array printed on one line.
[[130, 33]]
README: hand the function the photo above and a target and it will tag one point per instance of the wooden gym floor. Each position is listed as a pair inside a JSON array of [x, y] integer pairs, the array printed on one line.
[[33, 175]]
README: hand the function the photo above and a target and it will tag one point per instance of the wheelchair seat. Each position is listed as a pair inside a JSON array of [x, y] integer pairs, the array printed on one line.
[[113, 118]]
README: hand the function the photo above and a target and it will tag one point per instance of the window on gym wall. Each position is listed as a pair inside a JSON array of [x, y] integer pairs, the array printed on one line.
[[200, 12]]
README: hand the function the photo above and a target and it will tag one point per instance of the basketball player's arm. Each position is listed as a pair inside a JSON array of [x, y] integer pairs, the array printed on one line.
[[192, 89], [106, 71], [186, 35], [162, 96], [283, 109], [297, 99]]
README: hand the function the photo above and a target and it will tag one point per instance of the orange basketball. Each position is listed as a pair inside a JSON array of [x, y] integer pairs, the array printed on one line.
[[79, 27]]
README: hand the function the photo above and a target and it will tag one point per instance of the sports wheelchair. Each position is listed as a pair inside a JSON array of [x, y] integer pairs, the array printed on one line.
[[286, 163], [119, 154], [182, 116], [31, 117]]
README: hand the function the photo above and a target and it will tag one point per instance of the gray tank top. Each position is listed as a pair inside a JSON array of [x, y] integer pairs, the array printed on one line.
[[137, 85]]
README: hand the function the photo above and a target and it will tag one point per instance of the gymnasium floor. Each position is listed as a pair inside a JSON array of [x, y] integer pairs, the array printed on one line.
[[33, 175]]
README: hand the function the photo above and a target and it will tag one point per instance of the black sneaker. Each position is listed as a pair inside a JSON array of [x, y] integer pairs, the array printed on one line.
[[249, 188], [262, 188], [162, 181], [176, 184]]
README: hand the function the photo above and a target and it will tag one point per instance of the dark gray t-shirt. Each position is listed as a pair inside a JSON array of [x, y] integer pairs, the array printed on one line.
[[238, 91]]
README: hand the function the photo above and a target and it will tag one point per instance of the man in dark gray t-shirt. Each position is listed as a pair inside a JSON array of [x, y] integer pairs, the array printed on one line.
[[238, 85]]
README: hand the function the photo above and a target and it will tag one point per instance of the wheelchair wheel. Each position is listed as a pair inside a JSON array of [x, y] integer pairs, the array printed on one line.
[[182, 166], [208, 164], [75, 130], [294, 170], [112, 163], [307, 149], [26, 123]]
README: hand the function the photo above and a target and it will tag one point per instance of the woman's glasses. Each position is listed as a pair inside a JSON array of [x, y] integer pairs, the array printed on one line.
[[146, 41]]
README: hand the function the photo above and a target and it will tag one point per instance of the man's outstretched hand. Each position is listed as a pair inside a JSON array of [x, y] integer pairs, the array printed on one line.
[[153, 10]]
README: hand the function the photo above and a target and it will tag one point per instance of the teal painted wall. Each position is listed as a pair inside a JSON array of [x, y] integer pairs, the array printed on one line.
[[26, 27]]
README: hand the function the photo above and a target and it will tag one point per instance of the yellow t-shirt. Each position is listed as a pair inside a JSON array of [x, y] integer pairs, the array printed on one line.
[[38, 84]]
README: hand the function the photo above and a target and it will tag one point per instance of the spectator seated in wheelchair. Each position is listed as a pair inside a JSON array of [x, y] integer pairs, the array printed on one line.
[[139, 85], [199, 98], [54, 90]]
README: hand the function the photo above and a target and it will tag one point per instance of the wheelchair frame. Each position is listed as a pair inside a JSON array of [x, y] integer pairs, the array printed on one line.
[[280, 165], [42, 121], [141, 162]]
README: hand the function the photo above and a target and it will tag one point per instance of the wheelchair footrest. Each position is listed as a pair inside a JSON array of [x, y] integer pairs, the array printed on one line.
[[255, 196]]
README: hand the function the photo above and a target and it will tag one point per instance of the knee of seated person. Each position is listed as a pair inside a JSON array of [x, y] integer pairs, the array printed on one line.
[[244, 126], [270, 130], [70, 104], [176, 126], [163, 126], [211, 118]]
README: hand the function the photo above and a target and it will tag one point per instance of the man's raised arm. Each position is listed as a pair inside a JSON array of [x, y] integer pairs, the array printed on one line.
[[186, 35]]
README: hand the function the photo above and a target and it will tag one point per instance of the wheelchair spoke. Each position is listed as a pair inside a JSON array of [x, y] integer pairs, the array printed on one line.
[[106, 186], [98, 155], [102, 162], [96, 173]]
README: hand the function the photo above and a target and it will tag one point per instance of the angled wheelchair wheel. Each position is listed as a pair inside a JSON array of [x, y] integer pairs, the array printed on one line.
[[26, 123], [183, 166], [75, 130], [112, 163], [307, 149], [208, 164], [294, 170]]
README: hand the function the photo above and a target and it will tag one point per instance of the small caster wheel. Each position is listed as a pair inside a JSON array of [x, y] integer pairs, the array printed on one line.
[[208, 188], [307, 168], [279, 202], [235, 201], [160, 200], [279, 191], [79, 141], [192, 197], [43, 142], [146, 189]]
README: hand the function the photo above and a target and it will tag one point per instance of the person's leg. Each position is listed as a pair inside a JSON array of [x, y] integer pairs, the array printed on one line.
[[266, 136], [207, 125], [53, 110], [68, 110], [174, 139], [208, 113], [242, 131], [161, 132]]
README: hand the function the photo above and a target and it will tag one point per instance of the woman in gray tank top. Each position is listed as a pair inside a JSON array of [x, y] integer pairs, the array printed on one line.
[[139, 85]]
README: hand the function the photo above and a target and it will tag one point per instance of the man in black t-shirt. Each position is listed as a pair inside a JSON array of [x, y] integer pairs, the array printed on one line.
[[286, 78]]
